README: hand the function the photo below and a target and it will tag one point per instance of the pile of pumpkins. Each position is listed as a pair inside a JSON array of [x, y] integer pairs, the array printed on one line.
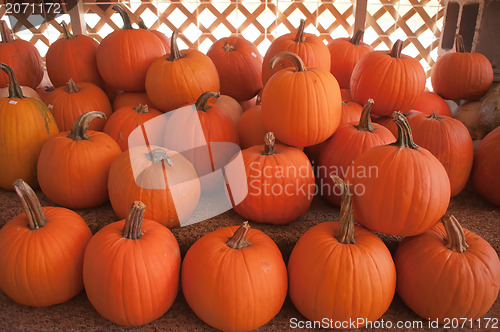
[[344, 108]]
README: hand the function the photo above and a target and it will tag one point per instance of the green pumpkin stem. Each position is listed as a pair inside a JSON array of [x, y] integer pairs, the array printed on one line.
[[405, 139], [5, 32], [396, 49], [66, 33], [15, 90], [269, 142], [239, 238], [296, 60], [127, 24], [81, 125], [357, 37], [345, 232], [141, 109], [459, 44], [365, 122], [141, 24], [299, 36], [201, 102], [158, 155], [455, 236], [228, 47], [71, 87], [31, 205], [175, 54], [133, 224]]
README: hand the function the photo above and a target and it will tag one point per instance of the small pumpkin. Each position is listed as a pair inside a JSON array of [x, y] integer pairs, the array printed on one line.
[[251, 128], [431, 102], [469, 114], [131, 269], [447, 273], [230, 106], [130, 99], [41, 252], [351, 112], [163, 38], [486, 165], [234, 279]]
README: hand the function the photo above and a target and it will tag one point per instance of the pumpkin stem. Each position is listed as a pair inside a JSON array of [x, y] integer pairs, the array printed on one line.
[[405, 139], [175, 54], [356, 38], [228, 47], [5, 32], [71, 87], [133, 223], [201, 103], [299, 36], [365, 123], [396, 49], [31, 205], [459, 44], [296, 60], [127, 25], [141, 24], [15, 90], [239, 238], [141, 109], [455, 237], [269, 141], [158, 155], [81, 125], [66, 33], [434, 115], [345, 232]]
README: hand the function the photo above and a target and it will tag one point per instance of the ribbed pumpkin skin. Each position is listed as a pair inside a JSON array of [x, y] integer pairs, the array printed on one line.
[[43, 267], [67, 107], [73, 58], [403, 82], [431, 102], [250, 127], [131, 99], [240, 69], [450, 142], [351, 112], [486, 165], [330, 279], [25, 124], [132, 282], [436, 282], [234, 289]]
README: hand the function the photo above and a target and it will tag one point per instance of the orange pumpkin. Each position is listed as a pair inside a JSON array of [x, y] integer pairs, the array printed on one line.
[[179, 78], [389, 123], [25, 124], [430, 103], [123, 57], [68, 102], [131, 269], [301, 106], [351, 112], [163, 38], [73, 166], [308, 47], [345, 54], [486, 165], [73, 57], [216, 261], [41, 252], [447, 273], [401, 188], [250, 127], [22, 56], [328, 271], [130, 99], [230, 106]]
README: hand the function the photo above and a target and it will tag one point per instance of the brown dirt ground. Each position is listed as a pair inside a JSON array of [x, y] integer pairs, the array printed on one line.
[[78, 314]]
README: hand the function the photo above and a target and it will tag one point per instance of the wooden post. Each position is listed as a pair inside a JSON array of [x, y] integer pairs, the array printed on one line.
[[76, 13], [359, 15]]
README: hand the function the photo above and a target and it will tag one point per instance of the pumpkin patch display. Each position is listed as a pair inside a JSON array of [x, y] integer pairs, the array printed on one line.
[[447, 273], [486, 165], [131, 269], [25, 124], [41, 252], [341, 271], [234, 279]]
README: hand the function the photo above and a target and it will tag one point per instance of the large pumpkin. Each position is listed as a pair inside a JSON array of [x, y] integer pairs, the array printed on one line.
[[68, 102], [164, 180], [393, 80], [401, 188], [73, 57], [341, 272], [179, 78], [123, 57], [308, 47], [449, 140], [447, 273], [41, 252], [280, 183], [461, 75], [131, 269], [22, 56], [234, 279], [486, 167], [25, 124], [344, 55], [239, 65], [73, 166], [301, 106]]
